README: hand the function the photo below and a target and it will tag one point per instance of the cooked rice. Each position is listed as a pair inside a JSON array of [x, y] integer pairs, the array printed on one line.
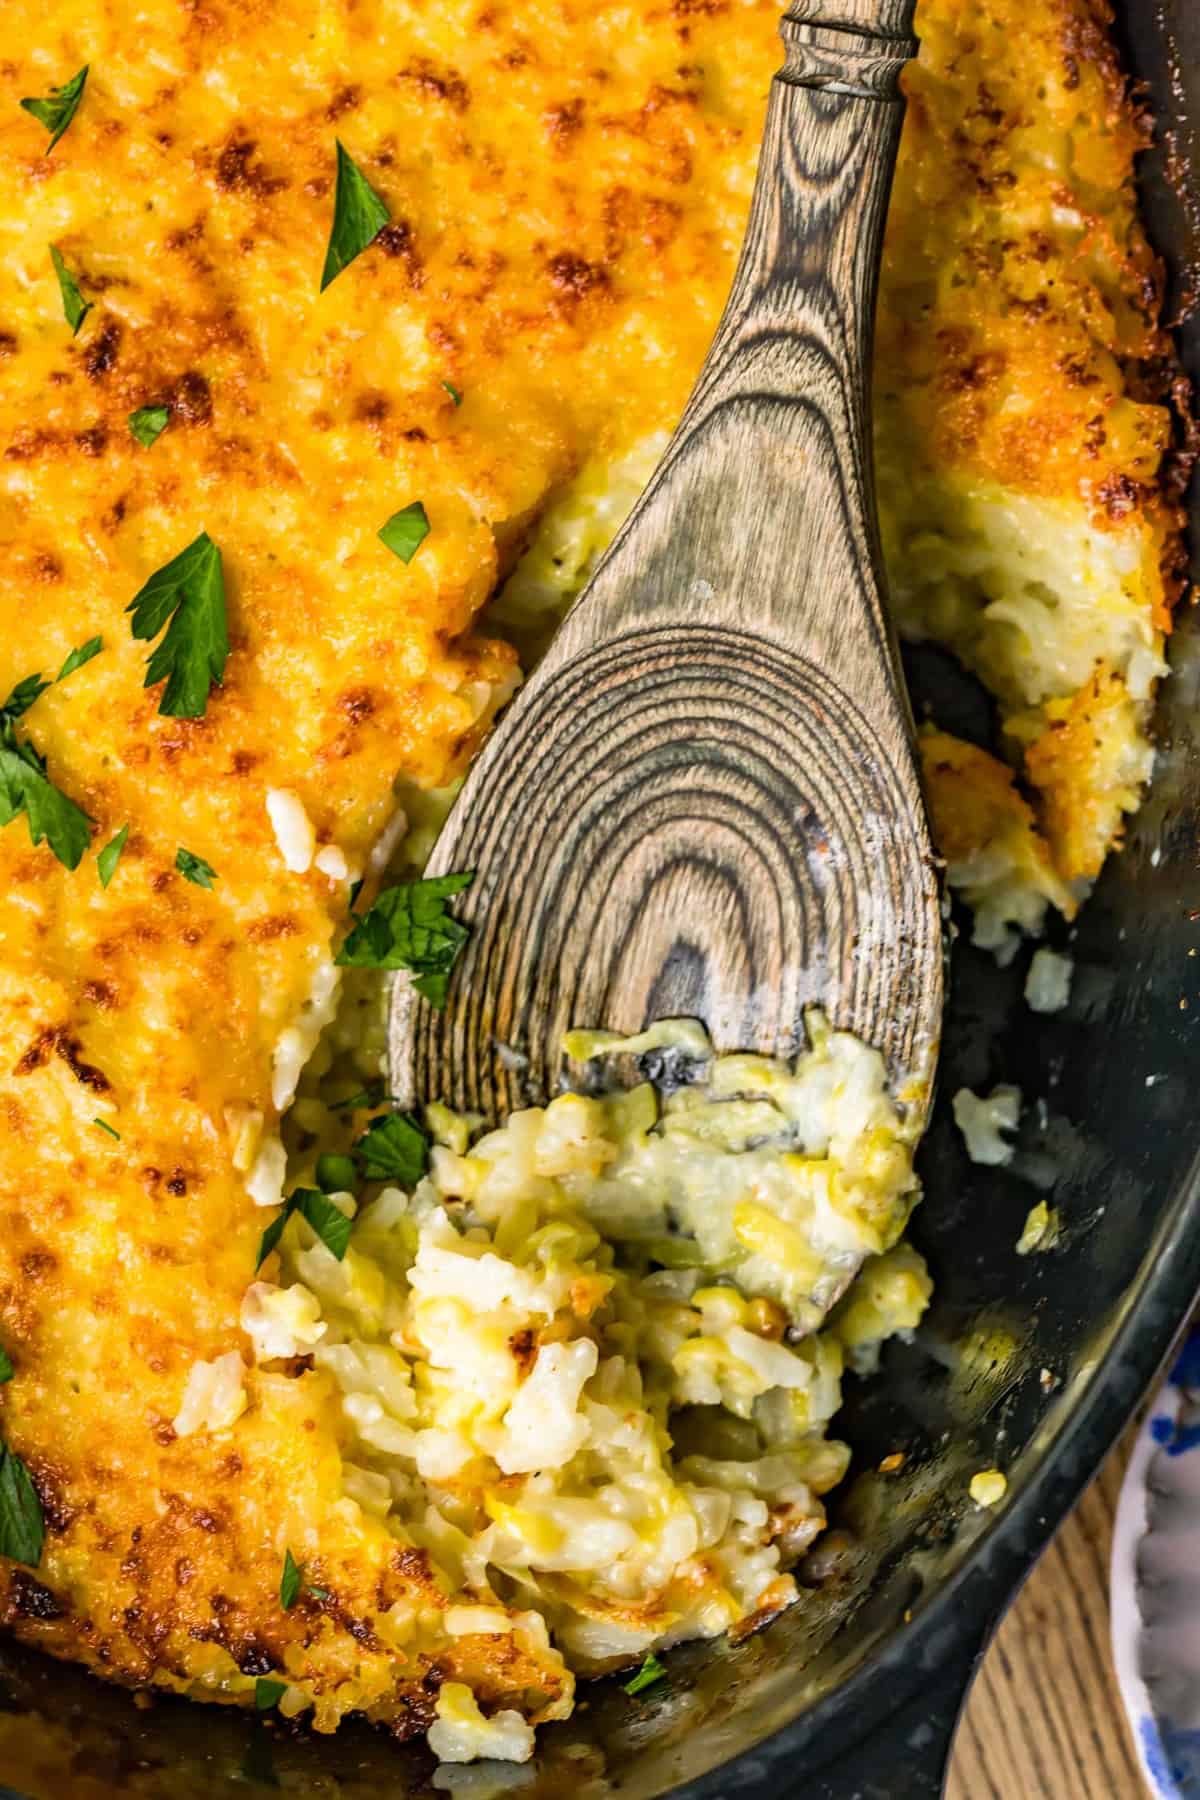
[[589, 1364]]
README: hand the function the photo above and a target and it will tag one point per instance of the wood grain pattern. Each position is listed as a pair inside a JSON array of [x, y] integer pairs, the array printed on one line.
[[1044, 1719], [706, 801]]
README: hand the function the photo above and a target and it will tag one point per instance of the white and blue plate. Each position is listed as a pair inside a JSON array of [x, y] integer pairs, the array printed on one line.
[[1155, 1584]]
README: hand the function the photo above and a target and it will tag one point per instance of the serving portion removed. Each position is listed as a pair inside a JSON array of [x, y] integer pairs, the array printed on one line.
[[586, 1365]]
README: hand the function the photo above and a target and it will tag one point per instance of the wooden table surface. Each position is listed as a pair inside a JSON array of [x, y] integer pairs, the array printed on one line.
[[1044, 1719]]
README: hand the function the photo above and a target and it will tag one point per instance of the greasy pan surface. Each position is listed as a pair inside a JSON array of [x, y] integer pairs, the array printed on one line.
[[890, 1636]]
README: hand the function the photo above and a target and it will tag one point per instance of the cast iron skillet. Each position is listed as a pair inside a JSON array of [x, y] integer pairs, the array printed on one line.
[[855, 1691]]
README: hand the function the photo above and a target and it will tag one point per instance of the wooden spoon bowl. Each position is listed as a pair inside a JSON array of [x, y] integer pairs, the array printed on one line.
[[706, 802]]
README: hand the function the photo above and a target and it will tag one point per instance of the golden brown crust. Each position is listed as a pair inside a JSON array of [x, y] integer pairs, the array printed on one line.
[[1015, 203], [1020, 357], [564, 225], [1082, 818]]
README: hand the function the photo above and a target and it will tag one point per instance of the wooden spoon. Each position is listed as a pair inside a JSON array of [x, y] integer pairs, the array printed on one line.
[[705, 801]]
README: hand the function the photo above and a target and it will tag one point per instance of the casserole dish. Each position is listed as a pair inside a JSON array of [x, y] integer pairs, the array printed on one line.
[[1028, 1364]]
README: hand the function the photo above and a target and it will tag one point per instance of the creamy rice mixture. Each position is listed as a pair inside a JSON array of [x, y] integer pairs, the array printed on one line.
[[588, 1361]]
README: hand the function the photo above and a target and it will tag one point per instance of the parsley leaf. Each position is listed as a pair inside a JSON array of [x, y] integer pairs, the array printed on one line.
[[6, 1368], [359, 215], [327, 1220], [77, 658], [650, 1672], [289, 1585], [22, 697], [59, 107], [406, 531], [26, 788], [393, 1148], [104, 1126], [194, 868], [409, 928], [21, 1529], [149, 423], [454, 393], [268, 1693], [434, 987], [190, 592], [75, 307], [336, 1174], [110, 856], [271, 1236]]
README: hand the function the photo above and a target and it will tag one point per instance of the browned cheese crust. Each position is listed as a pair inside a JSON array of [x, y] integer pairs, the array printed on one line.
[[567, 183]]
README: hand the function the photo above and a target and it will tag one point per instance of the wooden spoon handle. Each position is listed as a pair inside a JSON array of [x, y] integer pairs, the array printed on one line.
[[856, 45], [777, 428]]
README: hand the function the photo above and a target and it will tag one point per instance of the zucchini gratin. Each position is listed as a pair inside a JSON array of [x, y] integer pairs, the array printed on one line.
[[335, 343]]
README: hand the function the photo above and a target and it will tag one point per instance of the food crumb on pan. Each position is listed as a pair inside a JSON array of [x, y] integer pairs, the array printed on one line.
[[984, 1119], [988, 1487], [1048, 983], [461, 1733], [1041, 1231]]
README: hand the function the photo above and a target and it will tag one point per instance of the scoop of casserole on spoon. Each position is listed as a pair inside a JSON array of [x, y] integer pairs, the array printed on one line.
[[705, 802]]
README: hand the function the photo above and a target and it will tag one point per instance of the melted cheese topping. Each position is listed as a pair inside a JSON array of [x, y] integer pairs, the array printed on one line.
[[567, 187], [567, 196]]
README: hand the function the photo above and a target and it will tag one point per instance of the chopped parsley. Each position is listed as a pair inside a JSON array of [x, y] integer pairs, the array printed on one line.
[[292, 1584], [189, 591], [110, 856], [105, 1127], [20, 1510], [268, 1693], [22, 1531], [75, 307], [149, 423], [433, 986], [406, 531], [409, 928], [327, 1220], [23, 697], [393, 1148], [59, 107], [289, 1584], [194, 868], [650, 1672], [26, 788], [336, 1174], [359, 215], [454, 393], [77, 658], [271, 1236]]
